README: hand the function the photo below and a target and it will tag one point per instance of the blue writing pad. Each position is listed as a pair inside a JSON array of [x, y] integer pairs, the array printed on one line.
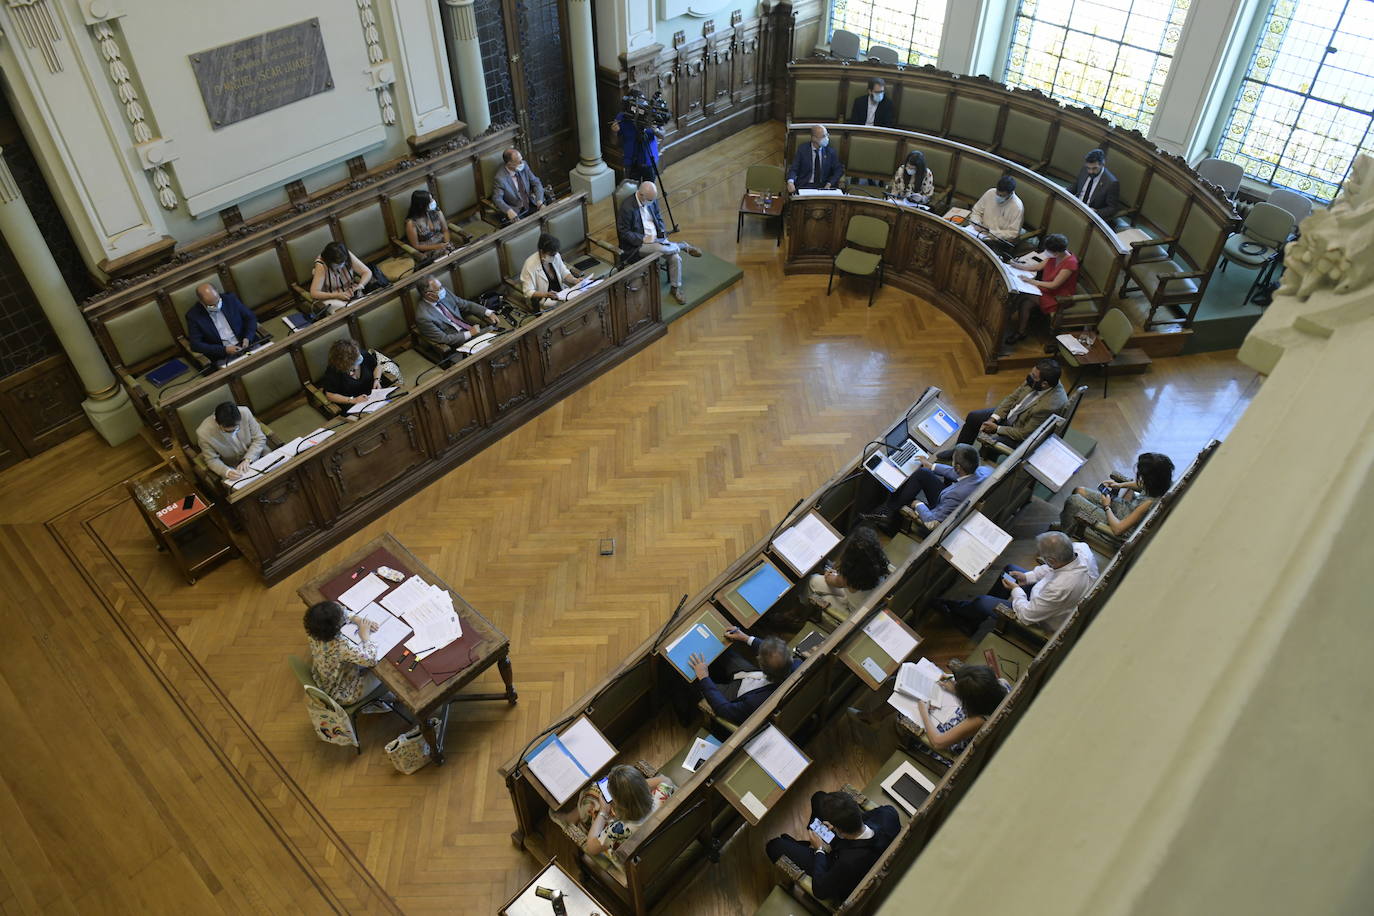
[[763, 588], [698, 640]]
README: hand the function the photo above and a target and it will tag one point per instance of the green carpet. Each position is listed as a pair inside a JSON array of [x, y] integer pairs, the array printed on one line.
[[705, 276], [1224, 319]]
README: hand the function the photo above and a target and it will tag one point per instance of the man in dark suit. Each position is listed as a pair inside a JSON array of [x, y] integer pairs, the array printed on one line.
[[1020, 413], [837, 867], [1097, 187], [873, 108], [816, 165], [639, 224], [518, 191], [746, 687], [220, 326]]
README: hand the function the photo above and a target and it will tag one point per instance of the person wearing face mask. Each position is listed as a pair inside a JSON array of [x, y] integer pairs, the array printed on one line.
[[1045, 596], [220, 326], [426, 227], [339, 276], [351, 374], [873, 108], [913, 182], [518, 192], [230, 439], [999, 211], [1097, 187], [639, 225], [1058, 277], [448, 320], [543, 275], [1019, 413], [816, 165]]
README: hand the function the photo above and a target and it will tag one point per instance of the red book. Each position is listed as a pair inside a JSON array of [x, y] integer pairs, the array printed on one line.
[[174, 514]]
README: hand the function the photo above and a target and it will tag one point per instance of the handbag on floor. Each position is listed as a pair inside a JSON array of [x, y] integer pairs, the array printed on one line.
[[410, 751]]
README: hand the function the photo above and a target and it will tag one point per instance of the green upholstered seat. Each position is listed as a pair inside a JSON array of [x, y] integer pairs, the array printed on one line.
[[184, 296], [865, 240], [516, 248], [1203, 235], [872, 156], [488, 165], [765, 178], [941, 164], [411, 363], [1148, 275], [1070, 146], [271, 383], [383, 326], [258, 278], [674, 769], [1131, 174], [364, 231], [479, 274], [852, 261], [303, 249], [458, 190], [1264, 231], [400, 205], [780, 903], [1012, 659], [316, 350], [296, 422], [1036, 199], [192, 412], [569, 227], [973, 121], [1072, 223], [874, 794], [140, 334], [921, 110], [1024, 137], [816, 100], [975, 177], [1163, 205]]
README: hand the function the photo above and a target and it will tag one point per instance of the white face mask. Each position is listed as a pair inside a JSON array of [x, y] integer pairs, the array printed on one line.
[[433, 205], [823, 142], [877, 96], [358, 364], [911, 170], [521, 167], [1003, 198]]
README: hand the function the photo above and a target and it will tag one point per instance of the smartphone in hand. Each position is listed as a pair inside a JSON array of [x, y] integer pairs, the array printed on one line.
[[824, 832]]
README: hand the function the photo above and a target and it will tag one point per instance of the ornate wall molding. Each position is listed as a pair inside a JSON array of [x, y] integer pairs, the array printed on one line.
[[9, 188], [382, 74], [38, 30], [154, 153]]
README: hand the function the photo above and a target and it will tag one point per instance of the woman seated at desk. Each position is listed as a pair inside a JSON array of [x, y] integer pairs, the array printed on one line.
[[1154, 475], [1058, 277], [914, 181], [861, 567], [633, 799], [544, 275], [342, 668], [351, 374], [978, 691], [339, 277], [426, 227]]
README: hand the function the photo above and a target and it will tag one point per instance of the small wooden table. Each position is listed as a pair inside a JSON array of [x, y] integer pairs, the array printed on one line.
[[413, 687], [751, 204], [1098, 356], [196, 541], [553, 877]]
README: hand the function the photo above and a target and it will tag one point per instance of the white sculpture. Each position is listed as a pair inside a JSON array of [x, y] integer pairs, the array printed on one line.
[[1321, 258]]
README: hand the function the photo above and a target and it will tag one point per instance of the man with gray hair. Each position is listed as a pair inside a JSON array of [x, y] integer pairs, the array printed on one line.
[[746, 686], [1043, 597], [640, 228]]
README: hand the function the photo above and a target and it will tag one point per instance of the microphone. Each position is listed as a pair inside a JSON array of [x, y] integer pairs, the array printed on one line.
[[555, 897]]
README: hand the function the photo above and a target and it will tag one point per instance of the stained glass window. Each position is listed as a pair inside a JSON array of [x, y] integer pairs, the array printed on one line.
[[1109, 55], [911, 27], [1305, 104]]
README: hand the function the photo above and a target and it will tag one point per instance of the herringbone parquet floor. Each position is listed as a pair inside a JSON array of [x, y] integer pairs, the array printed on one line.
[[156, 751]]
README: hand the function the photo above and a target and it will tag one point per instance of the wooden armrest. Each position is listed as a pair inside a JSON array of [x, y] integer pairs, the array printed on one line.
[[573, 831], [859, 798], [198, 359], [610, 249], [1140, 245], [712, 717], [791, 872], [315, 395], [1026, 234], [456, 230], [647, 768], [405, 247], [989, 442]]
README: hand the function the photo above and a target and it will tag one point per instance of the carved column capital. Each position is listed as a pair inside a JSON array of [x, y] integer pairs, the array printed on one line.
[[9, 190]]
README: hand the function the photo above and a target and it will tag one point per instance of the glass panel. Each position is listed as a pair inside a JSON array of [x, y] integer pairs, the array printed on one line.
[[910, 27], [1304, 107], [1109, 55]]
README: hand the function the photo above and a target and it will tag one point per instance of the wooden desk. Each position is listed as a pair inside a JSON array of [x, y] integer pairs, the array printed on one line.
[[416, 691], [752, 204], [553, 877], [196, 542]]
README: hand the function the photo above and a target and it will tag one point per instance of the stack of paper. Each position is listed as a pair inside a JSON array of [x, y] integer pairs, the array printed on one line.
[[310, 440], [975, 545], [1054, 462], [944, 707], [779, 757], [376, 400], [700, 751], [428, 609], [806, 543], [920, 680], [477, 344], [890, 636], [567, 293], [1073, 344], [819, 192], [563, 763], [1021, 283], [390, 630], [264, 463], [363, 592]]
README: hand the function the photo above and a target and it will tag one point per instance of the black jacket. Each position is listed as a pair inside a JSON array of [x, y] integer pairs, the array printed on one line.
[[1106, 196], [630, 228], [883, 117], [836, 873]]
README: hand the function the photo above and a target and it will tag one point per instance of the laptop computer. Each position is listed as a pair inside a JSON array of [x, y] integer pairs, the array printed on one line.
[[892, 470]]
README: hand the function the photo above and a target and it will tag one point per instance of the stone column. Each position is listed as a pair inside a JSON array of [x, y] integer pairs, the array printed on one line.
[[465, 57], [108, 405], [592, 174]]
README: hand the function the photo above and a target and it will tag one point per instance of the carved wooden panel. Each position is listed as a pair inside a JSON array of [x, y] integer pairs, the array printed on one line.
[[368, 462], [458, 410], [921, 248], [691, 89], [10, 450], [638, 297], [577, 338], [746, 62], [818, 229], [278, 516], [42, 405], [507, 379], [721, 64]]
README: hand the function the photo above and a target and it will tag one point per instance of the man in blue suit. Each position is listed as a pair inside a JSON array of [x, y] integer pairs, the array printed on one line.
[[220, 327], [942, 487], [747, 689], [816, 165], [639, 224]]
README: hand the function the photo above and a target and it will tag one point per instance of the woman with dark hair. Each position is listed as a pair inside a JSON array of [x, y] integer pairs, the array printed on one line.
[[860, 568], [340, 275], [633, 799], [1154, 475], [340, 665], [351, 374], [426, 227], [978, 691], [1058, 277], [913, 181], [544, 275]]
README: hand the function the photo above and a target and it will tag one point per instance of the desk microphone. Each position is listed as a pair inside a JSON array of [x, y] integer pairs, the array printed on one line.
[[554, 897]]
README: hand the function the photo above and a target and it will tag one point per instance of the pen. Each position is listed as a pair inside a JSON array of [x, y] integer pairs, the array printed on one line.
[[358, 572]]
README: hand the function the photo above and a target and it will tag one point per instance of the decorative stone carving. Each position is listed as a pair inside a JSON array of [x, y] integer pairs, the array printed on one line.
[[38, 30], [381, 74], [9, 188], [1325, 256], [154, 153]]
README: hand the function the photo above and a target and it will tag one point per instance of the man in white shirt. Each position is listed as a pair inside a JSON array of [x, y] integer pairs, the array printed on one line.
[[1042, 597], [999, 211], [640, 227]]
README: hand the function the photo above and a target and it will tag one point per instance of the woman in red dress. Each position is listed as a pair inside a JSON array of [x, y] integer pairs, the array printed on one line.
[[1058, 277]]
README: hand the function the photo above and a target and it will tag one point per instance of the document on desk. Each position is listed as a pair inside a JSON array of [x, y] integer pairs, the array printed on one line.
[[406, 596], [1071, 343], [1022, 284], [806, 543], [700, 752], [477, 344], [389, 633], [264, 463], [310, 440], [818, 192], [890, 636], [920, 680], [565, 294], [556, 769], [698, 639], [778, 756], [587, 746], [364, 591], [435, 622], [376, 400], [1054, 462], [975, 545]]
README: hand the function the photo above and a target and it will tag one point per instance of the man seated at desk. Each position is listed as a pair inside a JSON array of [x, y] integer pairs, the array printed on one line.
[[220, 326], [816, 165], [440, 315], [837, 867], [1044, 596], [998, 213], [1020, 413], [230, 439], [518, 192], [747, 687], [933, 491]]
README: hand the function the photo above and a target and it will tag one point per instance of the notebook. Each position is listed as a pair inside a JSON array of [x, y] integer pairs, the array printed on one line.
[[166, 372]]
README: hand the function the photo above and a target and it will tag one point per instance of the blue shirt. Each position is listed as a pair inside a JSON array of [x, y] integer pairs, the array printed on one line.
[[953, 495]]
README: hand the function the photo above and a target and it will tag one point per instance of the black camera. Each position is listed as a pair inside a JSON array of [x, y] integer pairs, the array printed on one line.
[[646, 112]]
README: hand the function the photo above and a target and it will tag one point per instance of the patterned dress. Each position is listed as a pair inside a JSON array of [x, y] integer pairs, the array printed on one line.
[[429, 229], [341, 668], [1083, 512], [618, 831]]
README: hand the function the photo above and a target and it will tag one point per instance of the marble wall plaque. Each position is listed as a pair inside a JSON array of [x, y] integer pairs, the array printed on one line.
[[261, 73]]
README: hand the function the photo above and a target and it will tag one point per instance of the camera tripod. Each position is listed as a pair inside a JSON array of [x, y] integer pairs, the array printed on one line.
[[649, 163]]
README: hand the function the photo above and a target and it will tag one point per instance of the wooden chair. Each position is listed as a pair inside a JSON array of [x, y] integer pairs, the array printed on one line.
[[1114, 330], [862, 255], [306, 676]]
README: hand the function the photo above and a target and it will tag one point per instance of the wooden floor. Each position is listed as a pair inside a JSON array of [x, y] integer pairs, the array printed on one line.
[[156, 754]]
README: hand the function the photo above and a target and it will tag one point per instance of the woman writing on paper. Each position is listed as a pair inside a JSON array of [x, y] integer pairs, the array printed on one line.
[[351, 374], [342, 667], [978, 691], [633, 799], [861, 567]]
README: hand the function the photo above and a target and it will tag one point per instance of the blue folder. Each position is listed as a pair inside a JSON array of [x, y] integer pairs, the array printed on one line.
[[553, 739], [763, 588], [699, 640]]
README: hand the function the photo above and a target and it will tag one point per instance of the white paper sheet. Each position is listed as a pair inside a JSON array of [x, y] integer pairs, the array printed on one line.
[[435, 622], [753, 805], [390, 630], [1072, 344], [477, 344], [265, 463], [363, 591], [556, 771], [919, 680], [406, 596], [975, 545], [1054, 462], [818, 192], [804, 544], [1021, 283], [376, 400], [904, 705], [779, 757], [310, 440], [571, 291], [700, 752], [587, 746], [890, 636]]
